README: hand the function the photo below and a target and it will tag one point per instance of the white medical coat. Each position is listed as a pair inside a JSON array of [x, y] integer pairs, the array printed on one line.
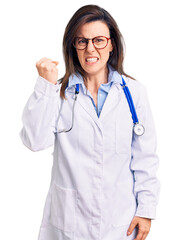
[[102, 174]]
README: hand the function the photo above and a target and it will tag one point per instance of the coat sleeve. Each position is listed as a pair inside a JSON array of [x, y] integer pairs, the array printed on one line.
[[144, 162], [39, 116]]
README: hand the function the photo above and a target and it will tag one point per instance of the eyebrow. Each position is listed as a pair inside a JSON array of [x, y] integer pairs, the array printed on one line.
[[81, 36], [88, 38]]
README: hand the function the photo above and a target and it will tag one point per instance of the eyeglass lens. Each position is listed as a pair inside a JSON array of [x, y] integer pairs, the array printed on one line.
[[99, 42]]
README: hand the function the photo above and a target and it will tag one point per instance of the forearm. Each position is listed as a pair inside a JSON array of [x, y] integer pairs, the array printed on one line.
[[39, 116], [145, 162]]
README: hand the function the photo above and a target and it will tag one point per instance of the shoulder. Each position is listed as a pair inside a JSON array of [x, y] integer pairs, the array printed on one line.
[[137, 89], [135, 85]]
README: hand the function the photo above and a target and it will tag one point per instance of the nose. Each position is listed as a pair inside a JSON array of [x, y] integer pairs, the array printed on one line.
[[90, 47]]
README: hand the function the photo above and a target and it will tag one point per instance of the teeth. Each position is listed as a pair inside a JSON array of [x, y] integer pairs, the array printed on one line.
[[91, 59]]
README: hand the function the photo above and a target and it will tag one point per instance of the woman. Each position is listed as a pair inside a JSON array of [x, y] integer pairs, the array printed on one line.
[[103, 184]]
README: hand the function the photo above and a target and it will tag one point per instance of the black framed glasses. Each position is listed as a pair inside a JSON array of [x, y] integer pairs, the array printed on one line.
[[99, 42]]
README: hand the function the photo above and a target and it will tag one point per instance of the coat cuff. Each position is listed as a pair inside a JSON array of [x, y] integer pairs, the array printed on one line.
[[45, 87], [146, 212]]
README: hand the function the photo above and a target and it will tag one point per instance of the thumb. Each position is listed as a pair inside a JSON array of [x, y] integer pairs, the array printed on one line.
[[132, 226], [56, 62]]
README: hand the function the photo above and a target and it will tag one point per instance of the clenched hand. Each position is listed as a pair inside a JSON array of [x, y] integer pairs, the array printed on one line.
[[47, 69]]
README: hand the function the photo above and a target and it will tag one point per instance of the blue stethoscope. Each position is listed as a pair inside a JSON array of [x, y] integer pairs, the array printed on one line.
[[138, 128]]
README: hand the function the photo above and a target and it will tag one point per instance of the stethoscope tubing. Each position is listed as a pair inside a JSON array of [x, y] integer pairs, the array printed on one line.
[[130, 102], [75, 98], [138, 128]]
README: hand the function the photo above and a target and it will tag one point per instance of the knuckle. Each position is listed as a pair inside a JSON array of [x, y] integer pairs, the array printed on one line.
[[49, 68], [46, 65], [44, 59], [142, 230], [41, 67], [41, 64], [47, 60], [46, 68]]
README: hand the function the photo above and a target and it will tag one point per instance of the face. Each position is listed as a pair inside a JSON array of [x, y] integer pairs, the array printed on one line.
[[94, 60]]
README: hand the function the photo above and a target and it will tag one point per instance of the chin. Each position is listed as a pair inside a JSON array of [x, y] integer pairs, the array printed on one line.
[[92, 70]]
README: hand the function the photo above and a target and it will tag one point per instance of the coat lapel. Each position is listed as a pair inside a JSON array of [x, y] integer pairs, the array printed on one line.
[[112, 100], [87, 105], [85, 102]]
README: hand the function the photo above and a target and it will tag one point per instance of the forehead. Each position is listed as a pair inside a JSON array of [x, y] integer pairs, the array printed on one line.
[[93, 29]]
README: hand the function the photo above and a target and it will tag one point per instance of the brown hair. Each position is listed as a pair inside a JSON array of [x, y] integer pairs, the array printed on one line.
[[86, 14]]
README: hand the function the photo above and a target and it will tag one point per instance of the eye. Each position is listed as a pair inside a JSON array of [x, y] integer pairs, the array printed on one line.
[[81, 41], [99, 39]]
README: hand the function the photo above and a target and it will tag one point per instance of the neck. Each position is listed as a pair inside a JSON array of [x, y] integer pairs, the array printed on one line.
[[94, 81]]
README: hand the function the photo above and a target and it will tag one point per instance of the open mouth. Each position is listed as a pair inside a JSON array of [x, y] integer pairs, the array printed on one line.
[[92, 60]]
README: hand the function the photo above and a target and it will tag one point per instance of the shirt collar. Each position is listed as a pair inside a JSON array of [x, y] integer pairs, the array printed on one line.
[[113, 77]]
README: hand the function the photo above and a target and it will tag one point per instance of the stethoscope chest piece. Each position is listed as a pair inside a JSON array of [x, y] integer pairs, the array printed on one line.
[[139, 129]]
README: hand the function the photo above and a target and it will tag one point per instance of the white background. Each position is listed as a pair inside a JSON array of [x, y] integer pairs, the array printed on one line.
[[34, 29]]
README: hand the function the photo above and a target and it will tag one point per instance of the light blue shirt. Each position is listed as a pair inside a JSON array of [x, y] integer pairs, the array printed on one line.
[[102, 91]]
